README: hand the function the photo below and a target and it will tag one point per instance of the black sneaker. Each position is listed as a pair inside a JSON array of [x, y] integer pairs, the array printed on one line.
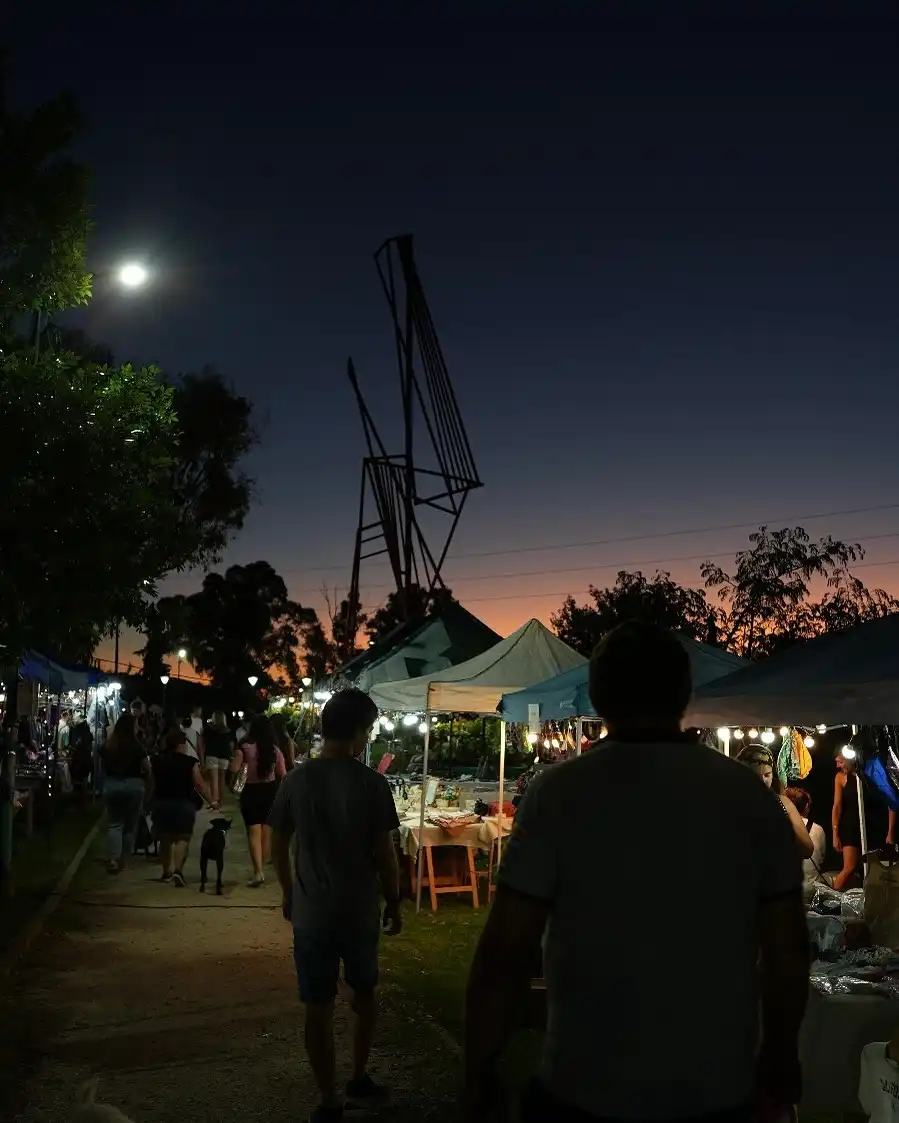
[[178, 879], [324, 1114], [364, 1092]]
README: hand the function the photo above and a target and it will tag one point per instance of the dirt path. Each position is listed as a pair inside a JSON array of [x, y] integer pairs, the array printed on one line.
[[185, 1005]]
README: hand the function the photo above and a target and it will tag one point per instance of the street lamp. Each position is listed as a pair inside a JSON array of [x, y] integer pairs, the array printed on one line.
[[252, 680], [182, 654], [164, 679], [307, 681]]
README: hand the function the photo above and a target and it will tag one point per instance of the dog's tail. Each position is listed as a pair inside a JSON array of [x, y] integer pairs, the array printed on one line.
[[87, 1093]]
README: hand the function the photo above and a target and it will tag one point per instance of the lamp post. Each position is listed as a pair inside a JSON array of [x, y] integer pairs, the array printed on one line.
[[182, 654], [164, 679]]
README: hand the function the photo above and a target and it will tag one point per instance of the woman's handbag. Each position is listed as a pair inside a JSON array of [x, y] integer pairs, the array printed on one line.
[[240, 781]]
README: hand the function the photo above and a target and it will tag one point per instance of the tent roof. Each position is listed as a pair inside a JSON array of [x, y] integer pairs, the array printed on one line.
[[842, 678], [567, 695], [444, 640], [529, 654]]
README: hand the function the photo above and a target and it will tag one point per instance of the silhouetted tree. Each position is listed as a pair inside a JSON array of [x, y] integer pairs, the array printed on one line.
[[395, 611]]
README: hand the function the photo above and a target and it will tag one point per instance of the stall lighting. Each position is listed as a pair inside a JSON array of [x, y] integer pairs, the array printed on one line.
[[768, 736], [182, 653], [603, 733], [546, 743], [115, 687], [822, 729], [784, 731], [389, 726], [532, 738], [738, 733], [423, 727], [291, 700], [240, 713], [555, 742], [753, 734], [723, 733], [848, 753], [2, 697], [321, 695], [434, 720], [809, 741], [307, 682], [409, 720]]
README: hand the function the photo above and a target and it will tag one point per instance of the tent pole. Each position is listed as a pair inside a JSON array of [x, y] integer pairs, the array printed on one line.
[[421, 815], [502, 784], [861, 806], [579, 727]]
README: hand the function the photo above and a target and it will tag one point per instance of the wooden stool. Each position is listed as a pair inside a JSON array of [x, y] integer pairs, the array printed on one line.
[[439, 885]]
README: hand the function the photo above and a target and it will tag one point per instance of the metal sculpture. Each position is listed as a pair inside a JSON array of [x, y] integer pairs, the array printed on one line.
[[439, 476]]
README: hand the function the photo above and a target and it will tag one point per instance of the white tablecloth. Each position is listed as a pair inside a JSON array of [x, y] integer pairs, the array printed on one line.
[[480, 834]]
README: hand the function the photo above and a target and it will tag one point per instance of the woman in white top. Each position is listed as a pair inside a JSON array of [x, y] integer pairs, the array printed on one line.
[[813, 867]]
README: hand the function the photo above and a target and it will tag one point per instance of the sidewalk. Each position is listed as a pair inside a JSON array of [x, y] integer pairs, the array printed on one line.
[[185, 1005]]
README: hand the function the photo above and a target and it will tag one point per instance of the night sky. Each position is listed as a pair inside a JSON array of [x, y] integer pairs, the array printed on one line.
[[663, 261]]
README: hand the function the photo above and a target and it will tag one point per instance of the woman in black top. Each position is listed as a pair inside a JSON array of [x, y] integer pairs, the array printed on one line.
[[219, 742], [127, 774], [178, 790], [846, 821]]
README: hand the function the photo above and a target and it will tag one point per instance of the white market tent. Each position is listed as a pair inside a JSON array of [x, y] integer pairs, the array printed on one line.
[[531, 654]]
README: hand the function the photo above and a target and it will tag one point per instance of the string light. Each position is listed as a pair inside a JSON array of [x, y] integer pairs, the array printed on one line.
[[738, 733], [822, 729], [848, 753], [423, 727], [753, 734], [768, 736], [389, 726], [784, 731], [809, 741], [723, 733], [532, 738], [409, 720]]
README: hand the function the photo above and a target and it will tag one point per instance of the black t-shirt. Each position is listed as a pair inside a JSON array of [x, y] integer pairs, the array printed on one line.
[[219, 743], [124, 761], [173, 776]]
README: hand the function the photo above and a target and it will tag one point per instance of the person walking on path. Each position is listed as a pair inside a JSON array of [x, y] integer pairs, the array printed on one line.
[[127, 770], [265, 765], [618, 1044], [342, 817], [219, 744], [179, 793], [285, 742]]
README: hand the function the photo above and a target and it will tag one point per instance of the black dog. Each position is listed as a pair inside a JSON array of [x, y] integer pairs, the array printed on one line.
[[212, 848]]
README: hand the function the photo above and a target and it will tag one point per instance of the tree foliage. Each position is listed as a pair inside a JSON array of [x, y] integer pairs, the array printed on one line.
[[395, 611], [767, 602], [85, 455], [240, 623], [44, 212], [656, 600]]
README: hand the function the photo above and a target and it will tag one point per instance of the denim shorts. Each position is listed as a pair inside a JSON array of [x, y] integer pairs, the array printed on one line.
[[318, 951]]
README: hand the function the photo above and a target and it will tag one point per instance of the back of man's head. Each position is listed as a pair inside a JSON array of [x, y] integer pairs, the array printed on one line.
[[347, 718], [640, 677]]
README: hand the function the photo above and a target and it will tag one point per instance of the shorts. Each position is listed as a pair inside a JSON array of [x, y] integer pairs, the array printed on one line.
[[174, 817], [256, 803], [216, 764], [318, 953]]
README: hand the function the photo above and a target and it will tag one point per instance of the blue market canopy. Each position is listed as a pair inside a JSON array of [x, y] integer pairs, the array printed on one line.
[[58, 675], [567, 695], [843, 678]]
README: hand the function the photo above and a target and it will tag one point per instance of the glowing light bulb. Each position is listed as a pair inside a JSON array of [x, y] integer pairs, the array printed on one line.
[[532, 738], [603, 733], [389, 726], [822, 729], [785, 731], [809, 742], [546, 743], [723, 733], [738, 733], [132, 276], [555, 742], [753, 734], [423, 727], [768, 736], [409, 719], [848, 753]]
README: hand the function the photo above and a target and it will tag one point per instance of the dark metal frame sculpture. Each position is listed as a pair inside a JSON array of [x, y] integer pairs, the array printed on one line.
[[395, 485]]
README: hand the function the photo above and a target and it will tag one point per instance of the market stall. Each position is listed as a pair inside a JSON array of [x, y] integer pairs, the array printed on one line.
[[531, 654], [567, 695]]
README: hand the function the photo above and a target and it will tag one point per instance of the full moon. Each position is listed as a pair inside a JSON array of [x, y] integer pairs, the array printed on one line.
[[132, 276]]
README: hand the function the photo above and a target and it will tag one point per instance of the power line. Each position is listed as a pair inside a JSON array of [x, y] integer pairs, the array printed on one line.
[[580, 592], [753, 524], [632, 564]]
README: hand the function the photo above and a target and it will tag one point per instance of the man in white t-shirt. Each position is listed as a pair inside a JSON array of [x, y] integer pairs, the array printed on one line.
[[654, 972]]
